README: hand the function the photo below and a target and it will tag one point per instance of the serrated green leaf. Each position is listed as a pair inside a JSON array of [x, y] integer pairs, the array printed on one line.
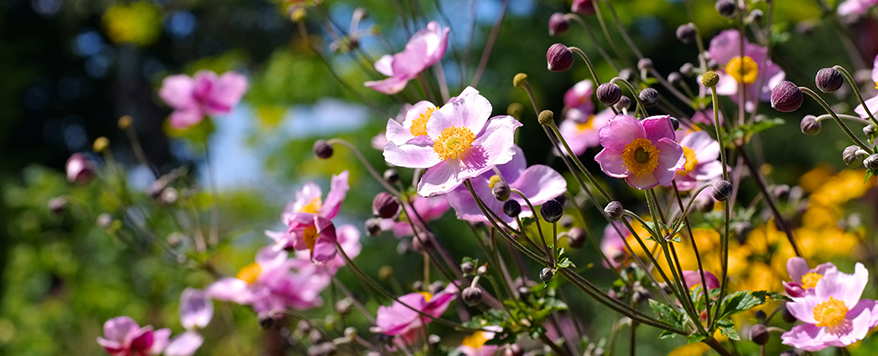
[[778, 297], [730, 332], [667, 314], [693, 338], [667, 335]]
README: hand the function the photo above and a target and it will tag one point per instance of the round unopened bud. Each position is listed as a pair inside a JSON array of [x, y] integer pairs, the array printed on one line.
[[423, 243], [576, 237], [583, 7], [343, 306], [649, 97], [675, 78], [686, 33], [852, 156], [514, 350], [618, 256], [322, 149], [436, 287], [373, 227], [787, 316], [761, 316], [418, 286], [627, 74], [641, 295], [558, 24], [125, 122], [385, 205], [644, 64], [501, 191], [100, 144], [512, 208], [704, 205], [786, 97], [552, 211], [623, 104], [721, 190], [810, 126], [472, 296], [609, 93], [871, 162], [781, 192], [614, 210], [759, 334], [710, 79], [726, 8], [391, 176], [58, 205], [742, 229], [559, 58], [481, 270], [546, 274], [828, 80], [869, 130], [566, 221], [687, 69], [675, 123], [519, 80], [267, 320], [467, 267], [385, 272], [104, 220], [168, 196], [547, 117], [755, 16]]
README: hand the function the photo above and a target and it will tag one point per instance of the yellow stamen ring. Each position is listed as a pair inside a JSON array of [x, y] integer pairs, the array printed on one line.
[[743, 69], [453, 142], [640, 157], [419, 125]]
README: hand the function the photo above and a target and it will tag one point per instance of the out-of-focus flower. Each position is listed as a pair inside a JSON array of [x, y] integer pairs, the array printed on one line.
[[855, 7], [460, 141], [348, 237], [268, 285], [397, 319], [579, 96], [702, 159], [123, 337], [693, 279], [642, 152], [203, 94], [428, 209], [834, 315], [196, 309], [804, 278], [613, 244], [424, 49], [79, 169], [139, 23], [538, 182], [583, 7], [706, 117], [872, 103], [582, 135], [746, 68], [474, 344]]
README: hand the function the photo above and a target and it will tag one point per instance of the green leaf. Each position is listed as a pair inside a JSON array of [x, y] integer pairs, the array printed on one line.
[[741, 301], [868, 175], [765, 125], [565, 263], [667, 314], [778, 297], [730, 332], [693, 338], [667, 335]]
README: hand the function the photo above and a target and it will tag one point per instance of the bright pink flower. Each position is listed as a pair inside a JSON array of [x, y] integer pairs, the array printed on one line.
[[582, 134], [123, 337], [203, 94], [701, 153], [855, 7], [759, 79], [397, 319], [268, 285], [349, 239], [693, 279], [642, 152], [428, 209], [538, 182], [423, 50], [834, 314], [613, 244], [79, 168], [579, 96], [804, 278], [583, 7], [872, 103], [196, 309], [459, 141], [474, 344]]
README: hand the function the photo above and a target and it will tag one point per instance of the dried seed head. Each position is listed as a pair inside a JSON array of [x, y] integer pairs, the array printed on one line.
[[710, 79], [519, 80], [547, 117]]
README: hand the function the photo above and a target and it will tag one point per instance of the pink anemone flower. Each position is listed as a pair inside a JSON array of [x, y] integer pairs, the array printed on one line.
[[834, 314], [538, 182], [349, 239], [613, 244], [753, 68], [424, 49], [196, 309], [579, 96], [268, 285], [460, 141], [203, 94], [398, 319], [123, 337], [702, 159], [871, 104], [474, 344], [580, 135], [855, 7], [693, 279], [79, 169], [642, 152], [804, 278], [428, 209]]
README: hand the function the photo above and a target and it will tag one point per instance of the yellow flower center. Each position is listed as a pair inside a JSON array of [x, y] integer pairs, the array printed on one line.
[[810, 280], [427, 296], [476, 340], [876, 85], [830, 313], [249, 273], [494, 180], [310, 236], [453, 142], [640, 157], [312, 207], [743, 69], [419, 125], [691, 161], [586, 126]]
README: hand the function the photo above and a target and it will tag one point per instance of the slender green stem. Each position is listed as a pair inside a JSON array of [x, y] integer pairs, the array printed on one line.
[[726, 203], [633, 337], [578, 163], [537, 221], [685, 218], [594, 40], [594, 73], [610, 40], [853, 84], [631, 88], [368, 166], [489, 45], [840, 123], [622, 31]]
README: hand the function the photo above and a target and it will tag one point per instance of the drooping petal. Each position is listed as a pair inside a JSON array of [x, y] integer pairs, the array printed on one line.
[[186, 117], [512, 170], [540, 184], [418, 153], [196, 309], [176, 91], [803, 308], [620, 131], [643, 182], [229, 289], [121, 329], [324, 246], [806, 337], [579, 94], [184, 344], [670, 159], [160, 339], [611, 163], [389, 86], [725, 46], [797, 267], [384, 65], [337, 191]]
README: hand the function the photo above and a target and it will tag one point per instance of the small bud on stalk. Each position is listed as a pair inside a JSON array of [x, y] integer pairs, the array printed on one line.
[[373, 227], [721, 190], [100, 144], [559, 58], [558, 24], [726, 8], [627, 74], [675, 123], [322, 149], [644, 64], [79, 169], [385, 205], [547, 117], [755, 16], [434, 340], [829, 80], [583, 7], [512, 208], [472, 296], [786, 97], [852, 156], [566, 221], [523, 292], [614, 210], [576, 237], [609, 93], [675, 78], [104, 221], [687, 69], [871, 162], [58, 205], [546, 274], [869, 130], [787, 316], [552, 211], [125, 122], [759, 334], [623, 104], [467, 267], [391, 176], [649, 97], [810, 126], [686, 33]]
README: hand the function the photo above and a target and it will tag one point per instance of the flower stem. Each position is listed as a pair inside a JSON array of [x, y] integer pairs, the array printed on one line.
[[594, 40], [368, 166], [853, 84], [840, 123], [727, 213], [630, 87]]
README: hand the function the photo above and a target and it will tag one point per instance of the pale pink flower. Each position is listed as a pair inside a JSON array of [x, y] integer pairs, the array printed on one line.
[[424, 49], [397, 319], [693, 279], [582, 134], [613, 244], [872, 103], [123, 337], [196, 309], [804, 278], [348, 237], [203, 94], [855, 7], [759, 79], [460, 140], [642, 152], [701, 153], [79, 168], [579, 96]]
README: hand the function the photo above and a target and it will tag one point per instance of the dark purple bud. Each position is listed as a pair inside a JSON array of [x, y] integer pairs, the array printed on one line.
[[810, 126], [829, 80], [391, 176], [623, 104], [614, 210], [583, 7], [558, 24], [759, 334], [726, 8], [852, 156], [686, 33], [871, 162], [472, 296], [385, 205], [512, 208], [576, 237], [627, 74], [787, 316], [609, 93], [675, 78], [322, 149], [79, 169], [373, 227], [786, 97], [546, 275], [649, 97], [552, 211], [687, 69], [467, 267], [58, 205], [559, 58], [721, 190], [644, 64]]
